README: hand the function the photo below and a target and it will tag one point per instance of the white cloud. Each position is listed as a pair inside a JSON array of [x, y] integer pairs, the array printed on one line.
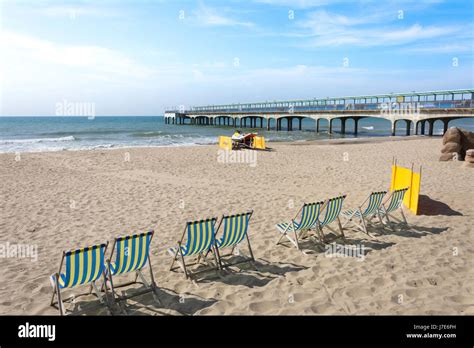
[[208, 16], [324, 29], [296, 3], [73, 11], [89, 58]]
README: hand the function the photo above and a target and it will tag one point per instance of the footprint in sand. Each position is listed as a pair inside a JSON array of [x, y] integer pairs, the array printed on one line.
[[359, 293], [264, 306]]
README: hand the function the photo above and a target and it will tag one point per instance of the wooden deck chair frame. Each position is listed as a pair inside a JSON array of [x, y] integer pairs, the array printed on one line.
[[178, 256], [59, 303], [216, 247], [149, 287], [304, 232], [386, 214], [322, 224], [362, 215]]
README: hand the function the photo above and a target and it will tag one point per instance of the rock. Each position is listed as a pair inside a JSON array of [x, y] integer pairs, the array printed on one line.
[[468, 165], [470, 153], [467, 140], [451, 147], [469, 159], [31, 229], [452, 135], [446, 157]]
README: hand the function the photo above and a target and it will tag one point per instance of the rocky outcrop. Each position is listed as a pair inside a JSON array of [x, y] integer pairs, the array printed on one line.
[[456, 145]]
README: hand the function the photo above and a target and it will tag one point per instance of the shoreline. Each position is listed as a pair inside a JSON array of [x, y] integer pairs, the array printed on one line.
[[329, 141]]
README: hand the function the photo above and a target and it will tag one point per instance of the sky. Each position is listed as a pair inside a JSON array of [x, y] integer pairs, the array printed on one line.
[[143, 57]]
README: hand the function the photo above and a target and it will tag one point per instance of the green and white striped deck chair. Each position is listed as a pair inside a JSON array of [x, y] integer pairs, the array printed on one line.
[[364, 217], [83, 267], [234, 231], [132, 255], [333, 208], [308, 221], [200, 241], [395, 202]]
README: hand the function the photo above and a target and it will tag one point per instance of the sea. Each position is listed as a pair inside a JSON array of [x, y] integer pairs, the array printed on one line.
[[72, 133]]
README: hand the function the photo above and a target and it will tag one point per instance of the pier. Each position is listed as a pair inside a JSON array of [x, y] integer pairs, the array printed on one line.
[[418, 110]]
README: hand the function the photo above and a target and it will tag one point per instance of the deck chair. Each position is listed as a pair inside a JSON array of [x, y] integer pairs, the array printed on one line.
[[308, 221], [200, 241], [395, 202], [234, 231], [333, 207], [364, 217], [132, 255], [83, 267]]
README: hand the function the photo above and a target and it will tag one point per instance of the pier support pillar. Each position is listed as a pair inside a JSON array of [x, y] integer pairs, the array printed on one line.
[[422, 131], [431, 127], [317, 125], [330, 126], [445, 125], [343, 125], [356, 125], [278, 124], [268, 124], [408, 123], [299, 123], [394, 128]]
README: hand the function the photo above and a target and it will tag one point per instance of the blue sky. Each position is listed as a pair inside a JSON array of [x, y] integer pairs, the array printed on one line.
[[140, 57]]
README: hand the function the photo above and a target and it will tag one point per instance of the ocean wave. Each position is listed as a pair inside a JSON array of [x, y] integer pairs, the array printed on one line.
[[369, 128], [36, 140], [150, 134]]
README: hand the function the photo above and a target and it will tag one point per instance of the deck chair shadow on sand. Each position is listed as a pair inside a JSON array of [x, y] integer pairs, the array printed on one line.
[[200, 241], [234, 230], [82, 267], [360, 217], [132, 254]]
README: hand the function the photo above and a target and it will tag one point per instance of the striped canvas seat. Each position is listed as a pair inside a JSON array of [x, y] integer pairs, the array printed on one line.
[[364, 217], [333, 209], [200, 237], [396, 200], [395, 203], [375, 200], [309, 219], [132, 253], [234, 231], [200, 241], [82, 267]]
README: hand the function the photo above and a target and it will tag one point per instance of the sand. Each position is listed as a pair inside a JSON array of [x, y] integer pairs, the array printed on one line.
[[65, 200]]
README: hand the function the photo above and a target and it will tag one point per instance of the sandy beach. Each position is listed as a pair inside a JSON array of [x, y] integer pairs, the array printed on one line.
[[70, 199]]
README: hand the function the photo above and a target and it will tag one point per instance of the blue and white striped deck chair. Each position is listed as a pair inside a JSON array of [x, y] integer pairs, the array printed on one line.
[[364, 217], [200, 241], [234, 231], [308, 221], [395, 202], [83, 267], [333, 208], [132, 255]]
